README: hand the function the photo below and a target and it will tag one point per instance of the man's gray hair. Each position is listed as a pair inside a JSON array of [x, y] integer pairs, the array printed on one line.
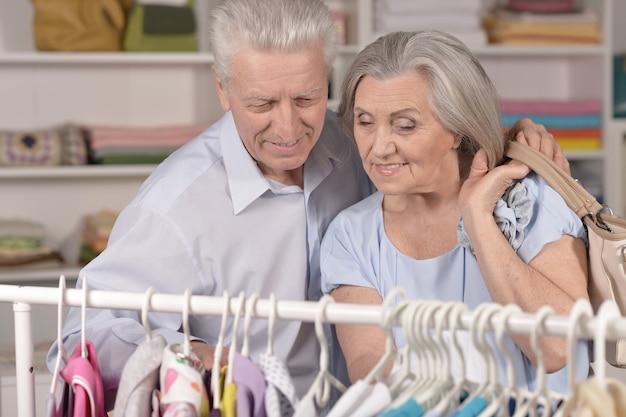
[[276, 25], [461, 95]]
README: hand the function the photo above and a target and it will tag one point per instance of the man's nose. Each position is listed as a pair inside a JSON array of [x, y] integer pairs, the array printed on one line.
[[286, 121]]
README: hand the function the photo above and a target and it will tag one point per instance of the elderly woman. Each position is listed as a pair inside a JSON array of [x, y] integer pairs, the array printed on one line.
[[426, 122]]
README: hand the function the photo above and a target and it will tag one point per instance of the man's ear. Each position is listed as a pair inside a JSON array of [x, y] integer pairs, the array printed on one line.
[[221, 91]]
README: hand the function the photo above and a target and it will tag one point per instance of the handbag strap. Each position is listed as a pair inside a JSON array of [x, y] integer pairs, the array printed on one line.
[[575, 195]]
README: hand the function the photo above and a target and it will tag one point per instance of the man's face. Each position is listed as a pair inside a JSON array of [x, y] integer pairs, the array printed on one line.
[[278, 101]]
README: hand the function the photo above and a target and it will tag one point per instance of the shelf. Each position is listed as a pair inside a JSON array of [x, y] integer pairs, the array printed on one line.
[[82, 171], [122, 58], [540, 51], [34, 275]]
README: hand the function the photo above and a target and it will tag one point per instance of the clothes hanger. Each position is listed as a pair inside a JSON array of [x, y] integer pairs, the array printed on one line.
[[443, 381], [440, 380], [539, 397], [417, 350], [322, 384], [453, 398], [511, 390], [144, 312], [270, 324], [216, 395], [484, 392], [580, 312], [83, 321], [250, 310], [186, 332], [233, 344], [61, 352], [388, 319], [608, 311]]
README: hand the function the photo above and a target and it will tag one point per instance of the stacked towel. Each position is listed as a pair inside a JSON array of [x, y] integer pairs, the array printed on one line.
[[461, 18], [133, 145], [575, 124], [524, 28]]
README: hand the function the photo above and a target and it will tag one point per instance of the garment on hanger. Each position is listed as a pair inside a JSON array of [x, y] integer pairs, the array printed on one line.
[[83, 394], [280, 393], [250, 384], [182, 384], [139, 379]]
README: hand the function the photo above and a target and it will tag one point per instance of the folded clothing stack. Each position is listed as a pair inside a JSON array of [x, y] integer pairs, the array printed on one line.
[[461, 18], [137, 145], [575, 124], [526, 28], [21, 245], [95, 234]]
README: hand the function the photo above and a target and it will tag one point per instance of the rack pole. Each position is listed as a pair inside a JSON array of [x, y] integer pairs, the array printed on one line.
[[24, 360]]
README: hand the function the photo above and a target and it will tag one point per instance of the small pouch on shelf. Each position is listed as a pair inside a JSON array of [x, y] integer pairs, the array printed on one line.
[[64, 145], [161, 28], [40, 148]]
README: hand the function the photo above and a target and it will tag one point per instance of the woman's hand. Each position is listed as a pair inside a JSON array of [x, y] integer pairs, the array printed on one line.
[[482, 188], [536, 136]]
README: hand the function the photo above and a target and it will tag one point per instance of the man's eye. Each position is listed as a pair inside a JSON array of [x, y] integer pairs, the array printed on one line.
[[261, 106], [305, 102]]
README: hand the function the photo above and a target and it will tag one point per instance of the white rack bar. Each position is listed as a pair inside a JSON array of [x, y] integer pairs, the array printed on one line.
[[23, 297]]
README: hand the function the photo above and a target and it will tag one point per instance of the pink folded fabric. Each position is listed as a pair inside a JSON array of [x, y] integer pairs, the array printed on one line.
[[140, 137]]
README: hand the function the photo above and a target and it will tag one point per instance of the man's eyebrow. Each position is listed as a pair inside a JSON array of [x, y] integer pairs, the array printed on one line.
[[262, 98], [308, 92]]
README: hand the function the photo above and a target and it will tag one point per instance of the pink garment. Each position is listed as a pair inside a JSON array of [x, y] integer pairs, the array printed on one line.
[[83, 394]]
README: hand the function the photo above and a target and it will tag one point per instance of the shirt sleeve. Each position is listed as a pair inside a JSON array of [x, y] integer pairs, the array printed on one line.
[[347, 254], [531, 214], [133, 261]]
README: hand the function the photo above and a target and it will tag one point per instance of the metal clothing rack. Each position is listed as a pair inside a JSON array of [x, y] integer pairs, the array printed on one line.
[[23, 297]]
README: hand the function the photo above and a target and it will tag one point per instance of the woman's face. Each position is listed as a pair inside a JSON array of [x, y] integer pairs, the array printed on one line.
[[403, 146]]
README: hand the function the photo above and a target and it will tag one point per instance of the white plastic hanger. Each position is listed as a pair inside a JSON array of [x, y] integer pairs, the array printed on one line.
[[322, 383], [488, 387], [453, 396], [144, 312], [83, 320], [540, 396], [511, 390], [233, 344], [388, 319], [61, 353], [186, 332], [250, 311], [216, 394], [608, 311], [580, 312], [270, 324], [417, 350], [442, 379]]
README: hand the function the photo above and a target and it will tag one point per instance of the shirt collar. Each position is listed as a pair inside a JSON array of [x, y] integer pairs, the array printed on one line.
[[245, 180]]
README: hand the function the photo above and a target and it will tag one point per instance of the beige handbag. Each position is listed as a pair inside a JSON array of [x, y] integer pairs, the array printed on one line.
[[606, 232]]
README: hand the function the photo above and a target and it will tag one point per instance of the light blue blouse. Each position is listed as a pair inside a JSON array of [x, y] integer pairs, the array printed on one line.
[[356, 251]]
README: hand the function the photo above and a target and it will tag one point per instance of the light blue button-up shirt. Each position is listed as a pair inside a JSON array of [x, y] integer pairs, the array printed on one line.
[[208, 220]]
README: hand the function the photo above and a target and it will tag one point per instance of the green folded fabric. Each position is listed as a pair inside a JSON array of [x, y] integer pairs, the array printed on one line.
[[158, 28]]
